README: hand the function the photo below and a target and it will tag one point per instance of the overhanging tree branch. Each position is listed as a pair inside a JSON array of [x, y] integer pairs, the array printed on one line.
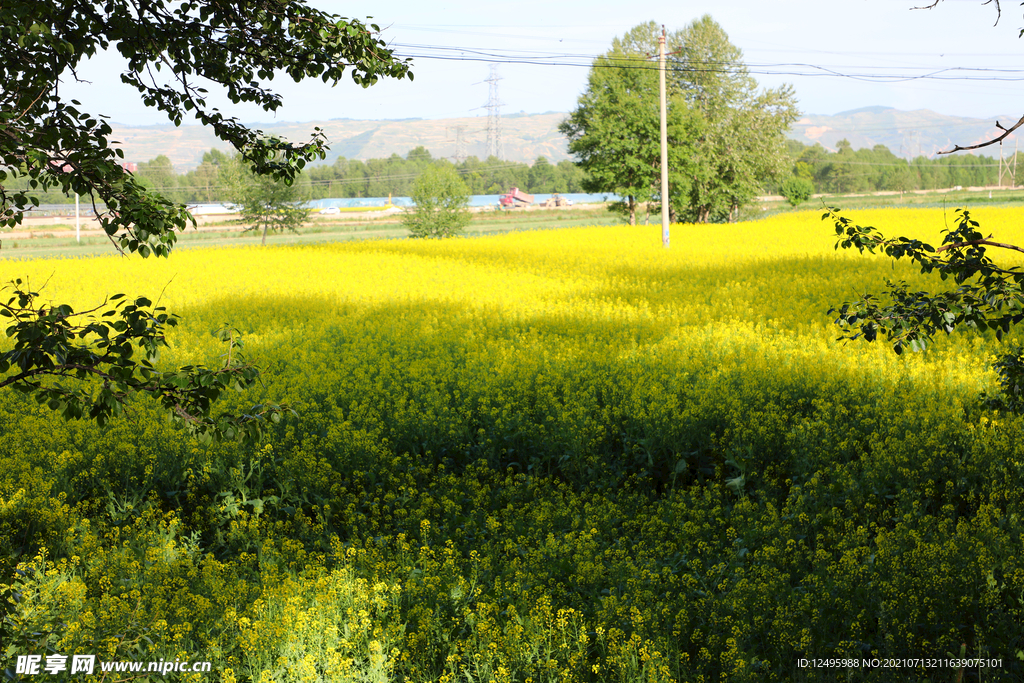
[[999, 10], [59, 343], [987, 242], [47, 143], [1006, 133], [985, 296]]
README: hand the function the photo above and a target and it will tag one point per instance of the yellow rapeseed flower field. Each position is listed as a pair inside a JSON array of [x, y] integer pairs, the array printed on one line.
[[766, 283], [568, 455]]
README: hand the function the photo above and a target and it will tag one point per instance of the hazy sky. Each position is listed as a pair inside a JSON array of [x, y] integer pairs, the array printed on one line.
[[838, 55]]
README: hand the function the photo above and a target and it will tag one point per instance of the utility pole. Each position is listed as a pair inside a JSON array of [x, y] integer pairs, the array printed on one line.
[[664, 139]]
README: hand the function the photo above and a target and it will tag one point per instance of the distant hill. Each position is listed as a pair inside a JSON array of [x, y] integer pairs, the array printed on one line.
[[907, 133], [524, 137], [528, 136]]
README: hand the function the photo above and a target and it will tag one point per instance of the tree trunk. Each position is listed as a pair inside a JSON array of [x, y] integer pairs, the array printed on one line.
[[264, 242], [632, 209]]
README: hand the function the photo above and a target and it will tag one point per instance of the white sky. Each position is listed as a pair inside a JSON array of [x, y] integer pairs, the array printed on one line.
[[881, 47]]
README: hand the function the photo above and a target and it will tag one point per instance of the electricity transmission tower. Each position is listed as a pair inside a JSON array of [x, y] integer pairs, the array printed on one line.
[[460, 142], [1006, 168], [910, 148], [494, 144]]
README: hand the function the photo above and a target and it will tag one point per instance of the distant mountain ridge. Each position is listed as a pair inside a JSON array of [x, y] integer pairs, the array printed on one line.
[[906, 133], [528, 136], [524, 138]]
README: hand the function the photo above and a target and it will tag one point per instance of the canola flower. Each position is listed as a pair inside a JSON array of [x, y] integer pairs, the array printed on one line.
[[553, 456]]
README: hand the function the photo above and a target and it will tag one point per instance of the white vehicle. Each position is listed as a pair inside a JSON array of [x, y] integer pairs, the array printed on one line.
[[330, 211]]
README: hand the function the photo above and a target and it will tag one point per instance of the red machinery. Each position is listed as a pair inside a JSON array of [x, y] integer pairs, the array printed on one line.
[[515, 199]]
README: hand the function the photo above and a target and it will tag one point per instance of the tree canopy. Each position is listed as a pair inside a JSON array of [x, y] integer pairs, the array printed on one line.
[[614, 130], [741, 142], [174, 50], [264, 202], [726, 137]]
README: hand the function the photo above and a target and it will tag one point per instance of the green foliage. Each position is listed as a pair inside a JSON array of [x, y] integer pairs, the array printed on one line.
[[797, 190], [49, 143], [614, 131], [1010, 369], [740, 145], [266, 203], [199, 39], [440, 198], [157, 175], [56, 343], [898, 178], [396, 176], [877, 169], [726, 138], [211, 181], [986, 296]]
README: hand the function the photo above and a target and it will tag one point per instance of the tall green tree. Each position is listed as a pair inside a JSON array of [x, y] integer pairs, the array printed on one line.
[[158, 176], [51, 142], [726, 136], [614, 131], [571, 176], [740, 144]]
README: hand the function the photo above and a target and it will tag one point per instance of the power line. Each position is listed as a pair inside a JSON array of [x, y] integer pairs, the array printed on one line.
[[885, 74]]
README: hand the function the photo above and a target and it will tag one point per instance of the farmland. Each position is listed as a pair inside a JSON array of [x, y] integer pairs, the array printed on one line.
[[558, 455]]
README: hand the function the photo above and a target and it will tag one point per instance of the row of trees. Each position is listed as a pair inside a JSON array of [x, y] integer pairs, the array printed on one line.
[[878, 169], [813, 169], [716, 195], [397, 175], [211, 181]]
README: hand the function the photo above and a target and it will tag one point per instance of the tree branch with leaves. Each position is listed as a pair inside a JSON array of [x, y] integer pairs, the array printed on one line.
[[986, 296], [110, 351], [983, 296], [171, 47]]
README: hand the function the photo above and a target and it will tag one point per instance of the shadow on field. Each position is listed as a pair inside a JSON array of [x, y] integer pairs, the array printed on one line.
[[589, 397], [530, 470]]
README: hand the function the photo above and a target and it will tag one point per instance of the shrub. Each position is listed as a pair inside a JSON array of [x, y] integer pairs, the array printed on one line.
[[797, 190], [441, 199]]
